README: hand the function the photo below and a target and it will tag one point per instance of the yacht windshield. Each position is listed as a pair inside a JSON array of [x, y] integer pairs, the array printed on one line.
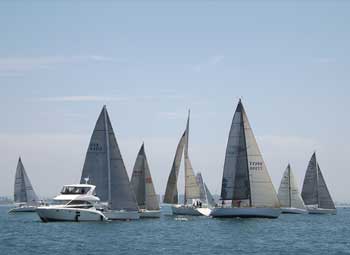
[[79, 204], [72, 190]]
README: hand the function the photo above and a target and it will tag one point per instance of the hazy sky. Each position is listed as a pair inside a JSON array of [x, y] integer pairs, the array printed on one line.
[[151, 62]]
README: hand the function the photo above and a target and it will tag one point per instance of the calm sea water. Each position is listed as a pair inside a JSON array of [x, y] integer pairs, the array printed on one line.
[[290, 234]]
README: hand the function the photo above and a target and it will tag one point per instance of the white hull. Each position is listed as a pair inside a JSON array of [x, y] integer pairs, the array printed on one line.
[[47, 214], [188, 210], [121, 215], [23, 209], [321, 211], [149, 214], [292, 210], [245, 212], [204, 211]]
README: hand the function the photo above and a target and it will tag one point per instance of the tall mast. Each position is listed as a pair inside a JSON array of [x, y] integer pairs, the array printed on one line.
[[245, 147], [289, 187], [317, 181], [108, 157], [186, 152]]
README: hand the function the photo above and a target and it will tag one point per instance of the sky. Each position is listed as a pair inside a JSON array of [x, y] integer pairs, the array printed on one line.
[[151, 61]]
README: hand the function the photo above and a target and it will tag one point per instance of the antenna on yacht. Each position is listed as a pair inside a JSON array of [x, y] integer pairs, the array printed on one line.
[[86, 180]]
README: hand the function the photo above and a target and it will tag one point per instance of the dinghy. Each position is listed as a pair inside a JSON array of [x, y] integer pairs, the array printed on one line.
[[246, 190], [142, 184], [315, 193], [288, 194], [24, 196], [76, 202], [192, 199], [104, 167]]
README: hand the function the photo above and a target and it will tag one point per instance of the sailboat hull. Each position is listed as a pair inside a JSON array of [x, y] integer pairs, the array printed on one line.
[[248, 212], [321, 211], [122, 215], [185, 210], [149, 214], [292, 210], [23, 209], [48, 214]]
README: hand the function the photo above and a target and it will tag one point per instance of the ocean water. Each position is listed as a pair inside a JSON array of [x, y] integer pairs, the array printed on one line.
[[22, 234]]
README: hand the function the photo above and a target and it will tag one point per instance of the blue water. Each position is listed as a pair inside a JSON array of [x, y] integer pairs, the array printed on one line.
[[290, 234]]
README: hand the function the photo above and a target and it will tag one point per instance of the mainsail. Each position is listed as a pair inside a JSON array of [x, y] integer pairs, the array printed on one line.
[[315, 191], [191, 187], [142, 183], [245, 175], [23, 189], [288, 192], [171, 194], [104, 167]]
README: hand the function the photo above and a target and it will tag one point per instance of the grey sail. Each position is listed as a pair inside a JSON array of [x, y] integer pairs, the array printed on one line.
[[210, 198], [245, 177], [192, 190], [23, 189], [235, 180], [104, 167], [200, 182], [171, 193], [315, 191], [142, 183]]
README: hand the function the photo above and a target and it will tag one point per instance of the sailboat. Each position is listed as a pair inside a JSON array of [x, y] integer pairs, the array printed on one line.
[[205, 196], [104, 168], [142, 184], [288, 194], [192, 193], [246, 190], [24, 195], [315, 193]]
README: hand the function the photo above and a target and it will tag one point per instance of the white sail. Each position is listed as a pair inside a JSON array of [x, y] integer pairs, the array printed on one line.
[[263, 193], [192, 190], [23, 189], [288, 192]]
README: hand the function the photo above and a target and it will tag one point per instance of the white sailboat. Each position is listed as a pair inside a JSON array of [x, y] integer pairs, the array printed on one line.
[[142, 184], [247, 190], [76, 202], [104, 167], [288, 194], [24, 195], [192, 199], [315, 193]]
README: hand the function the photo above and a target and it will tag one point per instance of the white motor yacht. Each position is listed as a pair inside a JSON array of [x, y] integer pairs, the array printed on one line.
[[76, 202]]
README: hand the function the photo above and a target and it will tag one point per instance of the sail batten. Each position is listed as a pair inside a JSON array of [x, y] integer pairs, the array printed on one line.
[[104, 167]]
